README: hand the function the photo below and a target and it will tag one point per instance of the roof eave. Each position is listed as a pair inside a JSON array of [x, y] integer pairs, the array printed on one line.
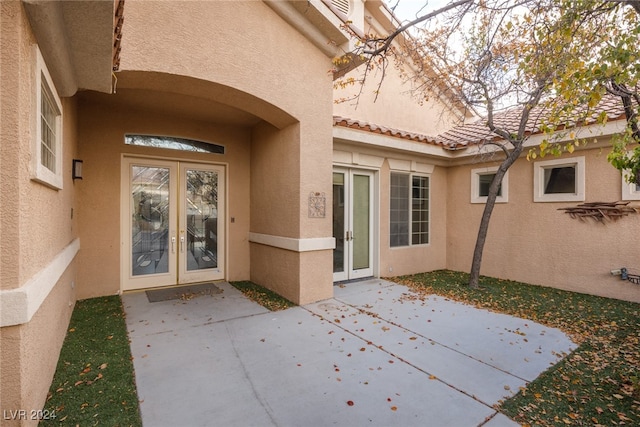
[[76, 39]]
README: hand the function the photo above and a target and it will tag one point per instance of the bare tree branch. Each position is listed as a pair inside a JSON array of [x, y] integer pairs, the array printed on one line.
[[386, 41]]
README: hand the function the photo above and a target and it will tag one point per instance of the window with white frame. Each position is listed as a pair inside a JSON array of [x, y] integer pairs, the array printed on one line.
[[47, 145], [559, 180], [630, 191], [481, 179], [409, 210]]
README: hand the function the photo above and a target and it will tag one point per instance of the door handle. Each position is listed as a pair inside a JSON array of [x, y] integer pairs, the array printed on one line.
[[173, 244], [349, 236], [182, 244]]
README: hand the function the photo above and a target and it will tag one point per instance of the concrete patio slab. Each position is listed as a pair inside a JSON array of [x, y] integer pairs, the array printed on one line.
[[369, 356], [530, 348]]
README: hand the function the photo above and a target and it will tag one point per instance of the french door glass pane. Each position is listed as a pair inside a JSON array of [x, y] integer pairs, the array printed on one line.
[[399, 210], [202, 219], [360, 221], [338, 222], [150, 220], [420, 210]]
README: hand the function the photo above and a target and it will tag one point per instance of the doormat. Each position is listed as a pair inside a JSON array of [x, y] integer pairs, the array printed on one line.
[[184, 293]]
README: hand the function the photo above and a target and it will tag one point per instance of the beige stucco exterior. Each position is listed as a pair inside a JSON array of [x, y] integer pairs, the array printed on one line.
[[396, 103], [38, 223], [392, 95], [105, 121], [265, 94], [173, 81], [534, 242], [265, 84]]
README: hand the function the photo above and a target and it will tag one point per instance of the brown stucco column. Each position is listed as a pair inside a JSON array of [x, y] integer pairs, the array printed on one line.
[[39, 243], [291, 249]]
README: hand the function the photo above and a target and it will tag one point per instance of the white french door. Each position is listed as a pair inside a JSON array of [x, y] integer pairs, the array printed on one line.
[[172, 223], [353, 221]]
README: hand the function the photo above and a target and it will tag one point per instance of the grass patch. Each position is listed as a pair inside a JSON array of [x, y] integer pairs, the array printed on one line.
[[265, 297], [597, 384], [94, 381]]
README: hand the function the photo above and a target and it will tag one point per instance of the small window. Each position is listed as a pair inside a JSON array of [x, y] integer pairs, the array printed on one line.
[[47, 146], [630, 191], [485, 181], [560, 180], [481, 180], [171, 143], [409, 210]]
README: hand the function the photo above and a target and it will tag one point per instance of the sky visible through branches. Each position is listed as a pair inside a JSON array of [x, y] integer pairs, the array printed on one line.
[[407, 10]]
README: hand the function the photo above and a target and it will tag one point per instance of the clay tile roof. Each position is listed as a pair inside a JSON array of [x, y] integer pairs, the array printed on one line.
[[117, 33], [373, 128], [477, 131]]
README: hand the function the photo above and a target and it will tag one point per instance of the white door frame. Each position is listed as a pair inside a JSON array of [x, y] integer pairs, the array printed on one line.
[[192, 276], [349, 272], [176, 272]]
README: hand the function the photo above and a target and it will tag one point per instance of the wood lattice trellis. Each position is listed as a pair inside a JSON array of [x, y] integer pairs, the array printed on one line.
[[601, 211]]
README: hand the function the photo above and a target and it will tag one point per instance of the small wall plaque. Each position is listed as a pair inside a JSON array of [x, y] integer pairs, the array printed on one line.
[[317, 205]]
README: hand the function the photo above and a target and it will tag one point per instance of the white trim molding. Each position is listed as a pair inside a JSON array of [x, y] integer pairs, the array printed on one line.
[[539, 168], [352, 158], [49, 174], [475, 185], [343, 134], [322, 28], [410, 166], [17, 306], [630, 191], [292, 244]]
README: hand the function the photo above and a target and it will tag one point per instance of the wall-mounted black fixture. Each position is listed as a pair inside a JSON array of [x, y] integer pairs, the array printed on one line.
[[76, 171]]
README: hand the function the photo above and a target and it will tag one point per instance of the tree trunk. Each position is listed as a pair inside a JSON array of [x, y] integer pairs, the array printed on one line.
[[474, 277]]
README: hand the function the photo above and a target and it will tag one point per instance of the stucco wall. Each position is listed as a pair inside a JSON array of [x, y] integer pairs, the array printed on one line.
[[242, 45], [282, 179], [536, 243], [105, 120], [36, 224], [14, 103], [392, 99], [262, 66], [28, 208], [395, 107], [273, 193], [40, 343], [419, 258]]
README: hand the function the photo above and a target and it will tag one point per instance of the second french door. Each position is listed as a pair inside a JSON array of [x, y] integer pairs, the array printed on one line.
[[173, 223], [353, 221]]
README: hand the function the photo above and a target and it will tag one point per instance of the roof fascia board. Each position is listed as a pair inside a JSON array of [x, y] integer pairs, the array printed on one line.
[[76, 41], [326, 41], [48, 26], [471, 153], [377, 140]]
